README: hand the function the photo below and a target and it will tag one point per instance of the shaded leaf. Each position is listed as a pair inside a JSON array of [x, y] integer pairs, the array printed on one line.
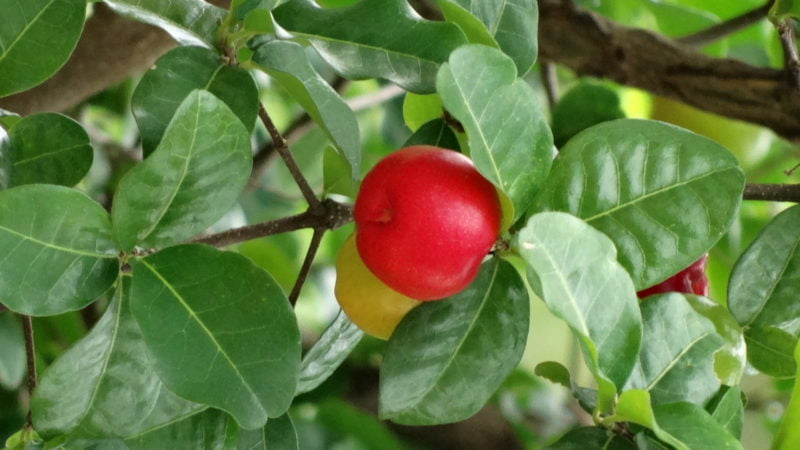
[[36, 39], [555, 372], [244, 338], [436, 133], [174, 76], [731, 359], [573, 268], [330, 351], [353, 424], [203, 430], [763, 291], [473, 28], [12, 352], [56, 247], [189, 182], [511, 145], [278, 434], [663, 195], [337, 174], [421, 109], [694, 427], [446, 358], [788, 436], [374, 39], [46, 148], [81, 393], [584, 105], [190, 22], [288, 63], [727, 409], [591, 438]]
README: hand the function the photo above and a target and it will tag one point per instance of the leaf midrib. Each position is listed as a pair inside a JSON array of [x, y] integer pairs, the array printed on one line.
[[57, 247], [25, 30], [675, 360]]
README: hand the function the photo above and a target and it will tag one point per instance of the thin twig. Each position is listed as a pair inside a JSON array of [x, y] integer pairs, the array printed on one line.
[[301, 277], [722, 29], [267, 152], [283, 149], [550, 83], [772, 192], [30, 355], [790, 57]]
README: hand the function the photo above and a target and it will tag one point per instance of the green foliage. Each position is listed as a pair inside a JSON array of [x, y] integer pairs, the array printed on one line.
[[188, 21], [12, 352], [330, 350]]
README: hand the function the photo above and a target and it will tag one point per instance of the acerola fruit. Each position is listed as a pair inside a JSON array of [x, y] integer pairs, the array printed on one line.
[[425, 219], [368, 303], [691, 280]]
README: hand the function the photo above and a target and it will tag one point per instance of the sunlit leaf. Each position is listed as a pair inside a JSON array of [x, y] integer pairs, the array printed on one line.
[[190, 22], [335, 344]]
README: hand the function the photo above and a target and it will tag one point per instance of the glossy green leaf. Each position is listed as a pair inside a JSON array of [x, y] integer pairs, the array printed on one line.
[[731, 359], [788, 436], [189, 182], [56, 247], [359, 427], [190, 22], [336, 174], [174, 76], [584, 105], [573, 268], [763, 291], [278, 434], [288, 63], [514, 25], [244, 340], [634, 406], [241, 8], [328, 353], [591, 438], [374, 39], [664, 195], [676, 363], [81, 393], [203, 430], [509, 139], [473, 28], [36, 39], [436, 133], [12, 352], [727, 409], [446, 358], [693, 426], [421, 109], [46, 148]]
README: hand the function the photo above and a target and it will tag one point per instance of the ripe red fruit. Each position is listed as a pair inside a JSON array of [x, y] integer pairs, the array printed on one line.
[[425, 218], [691, 280]]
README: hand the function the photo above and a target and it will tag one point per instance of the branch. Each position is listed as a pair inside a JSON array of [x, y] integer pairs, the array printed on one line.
[[790, 57], [772, 192], [309, 259], [722, 29], [592, 45], [30, 357], [332, 215]]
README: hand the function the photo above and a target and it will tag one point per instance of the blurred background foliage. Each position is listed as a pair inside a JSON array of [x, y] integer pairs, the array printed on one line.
[[340, 414]]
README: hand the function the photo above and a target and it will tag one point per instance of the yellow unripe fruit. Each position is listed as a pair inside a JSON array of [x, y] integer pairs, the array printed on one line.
[[368, 302]]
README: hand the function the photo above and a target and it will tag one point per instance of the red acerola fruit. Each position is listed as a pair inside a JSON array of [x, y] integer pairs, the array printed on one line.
[[691, 280], [425, 219]]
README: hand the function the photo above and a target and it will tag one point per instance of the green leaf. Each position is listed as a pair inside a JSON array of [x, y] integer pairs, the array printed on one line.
[[664, 195], [676, 363], [58, 254], [328, 353], [573, 268], [591, 438], [46, 148], [337, 174], [421, 109], [731, 359], [446, 358], [783, 9], [243, 336], [634, 406], [693, 426], [174, 76], [242, 7], [436, 133], [203, 430], [509, 139], [278, 434], [36, 39], [353, 424], [81, 393], [190, 22], [374, 39], [762, 294], [555, 372], [514, 25], [12, 352], [473, 28], [788, 436], [727, 409], [189, 182], [584, 105], [288, 63]]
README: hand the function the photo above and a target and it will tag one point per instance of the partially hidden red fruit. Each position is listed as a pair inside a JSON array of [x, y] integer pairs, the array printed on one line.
[[425, 219], [691, 280]]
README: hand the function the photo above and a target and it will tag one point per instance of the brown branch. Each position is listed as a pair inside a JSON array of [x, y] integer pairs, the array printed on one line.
[[30, 357], [722, 29], [309, 259], [772, 192], [332, 215], [592, 45], [550, 83], [790, 58]]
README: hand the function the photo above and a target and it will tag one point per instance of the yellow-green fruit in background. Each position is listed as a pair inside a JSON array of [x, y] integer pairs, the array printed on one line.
[[368, 302]]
